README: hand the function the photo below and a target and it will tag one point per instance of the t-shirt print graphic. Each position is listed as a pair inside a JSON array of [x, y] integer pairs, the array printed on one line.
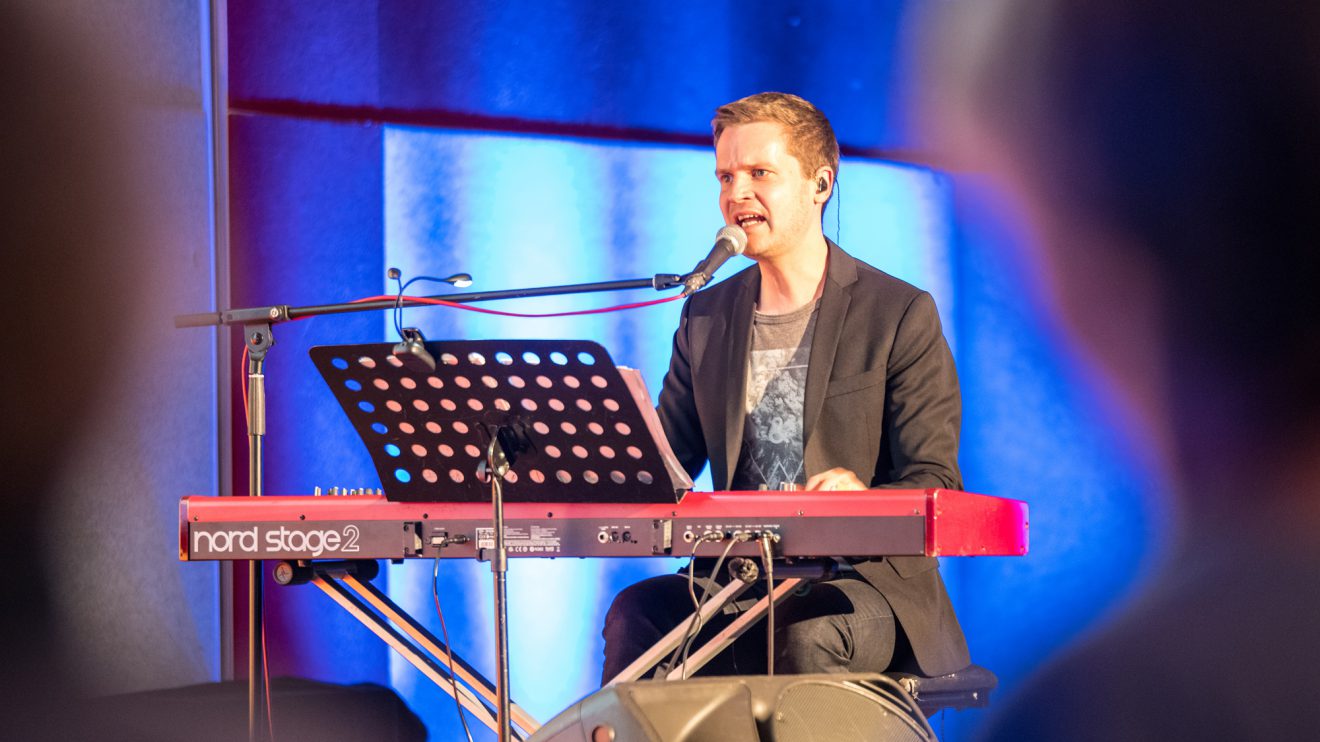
[[772, 431]]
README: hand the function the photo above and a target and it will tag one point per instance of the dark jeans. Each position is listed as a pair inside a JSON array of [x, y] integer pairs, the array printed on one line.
[[843, 625]]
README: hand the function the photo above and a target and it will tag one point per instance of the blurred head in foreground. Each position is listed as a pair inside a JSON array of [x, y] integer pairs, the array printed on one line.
[[1168, 158], [1167, 154], [72, 249]]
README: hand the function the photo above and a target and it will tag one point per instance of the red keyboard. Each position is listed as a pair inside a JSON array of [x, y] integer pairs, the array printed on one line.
[[931, 522]]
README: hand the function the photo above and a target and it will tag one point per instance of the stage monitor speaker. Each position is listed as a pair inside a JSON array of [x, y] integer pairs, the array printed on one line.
[[864, 707]]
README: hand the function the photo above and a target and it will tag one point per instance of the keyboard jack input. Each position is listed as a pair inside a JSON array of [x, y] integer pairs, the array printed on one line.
[[603, 537]]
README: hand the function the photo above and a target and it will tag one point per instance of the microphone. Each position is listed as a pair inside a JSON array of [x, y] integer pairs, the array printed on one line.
[[729, 241]]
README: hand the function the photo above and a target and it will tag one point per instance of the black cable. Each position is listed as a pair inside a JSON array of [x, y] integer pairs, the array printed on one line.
[[705, 595], [838, 211], [692, 593], [449, 648]]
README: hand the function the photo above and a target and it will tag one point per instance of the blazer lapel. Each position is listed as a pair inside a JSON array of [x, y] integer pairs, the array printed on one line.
[[734, 373], [841, 273]]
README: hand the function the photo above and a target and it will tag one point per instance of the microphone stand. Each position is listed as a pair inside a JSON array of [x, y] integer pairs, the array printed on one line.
[[258, 338]]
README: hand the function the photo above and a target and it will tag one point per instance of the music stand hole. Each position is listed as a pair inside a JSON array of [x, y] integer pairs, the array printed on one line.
[[380, 384], [433, 427], [436, 382], [339, 363], [504, 359], [430, 476], [563, 477], [449, 359], [445, 450], [596, 428], [408, 382], [531, 359], [476, 359], [529, 405], [559, 359], [367, 362], [393, 405], [590, 477], [645, 477], [552, 451], [568, 427], [517, 382], [353, 385], [407, 428], [586, 359]]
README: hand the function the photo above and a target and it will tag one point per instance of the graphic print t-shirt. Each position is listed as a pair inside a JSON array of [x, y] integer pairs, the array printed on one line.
[[776, 382]]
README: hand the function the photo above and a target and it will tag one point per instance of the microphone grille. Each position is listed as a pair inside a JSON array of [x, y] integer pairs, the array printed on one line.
[[735, 235]]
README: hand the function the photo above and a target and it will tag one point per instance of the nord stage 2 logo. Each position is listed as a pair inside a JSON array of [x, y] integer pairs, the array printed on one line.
[[326, 540]]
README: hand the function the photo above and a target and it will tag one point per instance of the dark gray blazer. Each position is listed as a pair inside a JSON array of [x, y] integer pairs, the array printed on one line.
[[881, 399]]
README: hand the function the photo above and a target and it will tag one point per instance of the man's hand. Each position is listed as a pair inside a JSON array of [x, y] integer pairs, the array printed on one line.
[[837, 478]]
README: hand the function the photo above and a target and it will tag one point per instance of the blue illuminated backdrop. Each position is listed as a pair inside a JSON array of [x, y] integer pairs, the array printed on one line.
[[533, 143]]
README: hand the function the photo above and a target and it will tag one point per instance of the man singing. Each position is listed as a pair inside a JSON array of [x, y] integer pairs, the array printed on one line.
[[812, 368]]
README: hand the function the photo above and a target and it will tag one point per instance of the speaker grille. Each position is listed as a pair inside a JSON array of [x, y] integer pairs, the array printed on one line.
[[830, 711]]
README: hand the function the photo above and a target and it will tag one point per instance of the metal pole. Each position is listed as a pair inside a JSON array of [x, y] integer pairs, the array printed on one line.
[[258, 340], [497, 464]]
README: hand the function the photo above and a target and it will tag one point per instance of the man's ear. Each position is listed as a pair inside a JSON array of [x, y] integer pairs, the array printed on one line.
[[824, 184]]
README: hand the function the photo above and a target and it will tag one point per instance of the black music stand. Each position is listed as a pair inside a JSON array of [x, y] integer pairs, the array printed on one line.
[[435, 428], [428, 431]]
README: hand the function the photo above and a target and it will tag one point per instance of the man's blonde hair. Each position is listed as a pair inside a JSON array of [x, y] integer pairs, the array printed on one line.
[[810, 136]]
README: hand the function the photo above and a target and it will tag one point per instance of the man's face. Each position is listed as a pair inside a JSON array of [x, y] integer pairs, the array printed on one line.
[[764, 190]]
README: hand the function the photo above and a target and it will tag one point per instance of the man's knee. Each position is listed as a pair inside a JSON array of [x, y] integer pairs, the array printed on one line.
[[845, 626]]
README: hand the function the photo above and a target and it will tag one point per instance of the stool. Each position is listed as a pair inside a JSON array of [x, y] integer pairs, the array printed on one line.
[[968, 688]]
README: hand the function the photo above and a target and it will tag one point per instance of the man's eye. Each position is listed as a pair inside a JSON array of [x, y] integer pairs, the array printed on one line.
[[760, 173]]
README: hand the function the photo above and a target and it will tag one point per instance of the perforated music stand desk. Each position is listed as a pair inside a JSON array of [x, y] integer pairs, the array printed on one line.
[[594, 438], [427, 432]]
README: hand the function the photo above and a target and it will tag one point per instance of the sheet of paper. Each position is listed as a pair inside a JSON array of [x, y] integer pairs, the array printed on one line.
[[633, 378]]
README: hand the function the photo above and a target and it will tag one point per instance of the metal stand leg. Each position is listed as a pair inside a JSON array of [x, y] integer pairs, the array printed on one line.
[[799, 573], [376, 611], [669, 642], [717, 643]]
